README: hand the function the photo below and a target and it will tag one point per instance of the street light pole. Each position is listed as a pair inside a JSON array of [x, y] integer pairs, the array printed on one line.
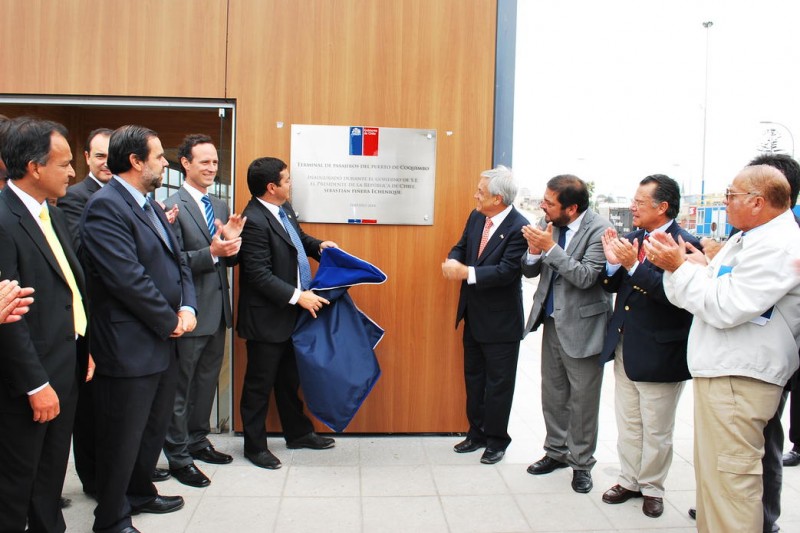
[[707, 25], [773, 123]]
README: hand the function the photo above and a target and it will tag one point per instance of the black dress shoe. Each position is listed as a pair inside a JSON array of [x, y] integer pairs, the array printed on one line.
[[263, 459], [582, 481], [160, 505], [491, 456], [190, 475], [468, 445], [692, 513], [545, 465], [129, 529], [160, 474], [63, 503], [653, 506], [311, 441], [212, 456], [619, 494], [791, 458]]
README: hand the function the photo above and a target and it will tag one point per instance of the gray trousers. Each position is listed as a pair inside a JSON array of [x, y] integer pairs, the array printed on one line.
[[570, 402], [199, 363]]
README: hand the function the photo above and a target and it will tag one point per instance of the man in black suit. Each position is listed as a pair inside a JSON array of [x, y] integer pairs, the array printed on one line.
[[274, 279], [72, 204], [210, 243], [39, 375], [486, 260], [141, 286], [647, 339]]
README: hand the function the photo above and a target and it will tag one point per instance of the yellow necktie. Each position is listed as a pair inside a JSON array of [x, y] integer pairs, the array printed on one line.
[[78, 312]]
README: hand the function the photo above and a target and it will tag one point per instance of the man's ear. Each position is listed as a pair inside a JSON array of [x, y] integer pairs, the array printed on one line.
[[136, 163]]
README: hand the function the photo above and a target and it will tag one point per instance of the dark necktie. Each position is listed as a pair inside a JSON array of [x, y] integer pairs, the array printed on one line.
[[151, 214], [302, 258], [209, 212], [549, 303]]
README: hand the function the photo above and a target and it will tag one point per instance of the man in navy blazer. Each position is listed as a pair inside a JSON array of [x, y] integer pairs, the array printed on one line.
[[647, 339], [142, 288], [40, 351], [486, 260]]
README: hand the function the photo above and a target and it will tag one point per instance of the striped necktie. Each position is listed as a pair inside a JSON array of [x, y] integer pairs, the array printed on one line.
[[302, 258], [209, 211], [487, 226], [78, 311], [151, 214]]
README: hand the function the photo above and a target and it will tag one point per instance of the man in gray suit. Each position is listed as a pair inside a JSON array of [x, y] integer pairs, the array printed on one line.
[[210, 243], [567, 254]]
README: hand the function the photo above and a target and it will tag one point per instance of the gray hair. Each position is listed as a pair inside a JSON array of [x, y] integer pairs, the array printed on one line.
[[501, 182]]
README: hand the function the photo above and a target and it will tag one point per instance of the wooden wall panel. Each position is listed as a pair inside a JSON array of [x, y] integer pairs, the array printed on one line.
[[410, 64], [113, 47]]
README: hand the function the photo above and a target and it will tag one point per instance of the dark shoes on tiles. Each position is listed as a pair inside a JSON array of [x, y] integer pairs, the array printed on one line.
[[468, 445], [311, 441], [619, 494], [263, 459], [160, 474], [190, 475], [582, 481], [653, 506], [211, 456], [161, 505], [545, 465], [491, 456], [791, 458]]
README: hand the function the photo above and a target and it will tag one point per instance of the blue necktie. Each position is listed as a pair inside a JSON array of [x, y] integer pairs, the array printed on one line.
[[548, 304], [151, 214], [302, 258], [212, 228]]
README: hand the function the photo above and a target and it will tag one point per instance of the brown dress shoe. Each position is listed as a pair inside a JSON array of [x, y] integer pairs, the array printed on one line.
[[619, 494], [653, 506]]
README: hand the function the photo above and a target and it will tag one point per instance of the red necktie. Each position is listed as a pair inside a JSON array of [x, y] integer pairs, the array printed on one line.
[[641, 248], [485, 235]]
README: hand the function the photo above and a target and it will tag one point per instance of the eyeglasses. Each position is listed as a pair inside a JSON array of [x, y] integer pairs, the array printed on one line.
[[729, 193]]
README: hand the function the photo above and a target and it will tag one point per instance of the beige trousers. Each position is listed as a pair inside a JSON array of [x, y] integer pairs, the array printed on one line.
[[730, 413], [645, 421]]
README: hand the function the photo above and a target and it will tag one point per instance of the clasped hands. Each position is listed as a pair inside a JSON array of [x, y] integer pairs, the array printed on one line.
[[186, 323]]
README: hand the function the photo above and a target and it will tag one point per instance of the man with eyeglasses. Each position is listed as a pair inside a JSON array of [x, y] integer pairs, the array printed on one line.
[[742, 344]]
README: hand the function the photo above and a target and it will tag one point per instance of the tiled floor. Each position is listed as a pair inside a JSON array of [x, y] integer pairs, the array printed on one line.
[[419, 484]]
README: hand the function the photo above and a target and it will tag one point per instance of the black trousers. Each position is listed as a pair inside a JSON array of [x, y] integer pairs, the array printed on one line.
[[132, 419], [33, 463], [490, 371], [271, 365]]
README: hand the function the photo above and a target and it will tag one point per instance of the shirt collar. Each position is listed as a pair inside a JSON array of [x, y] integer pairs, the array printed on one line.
[[194, 193], [100, 183], [575, 224], [138, 197], [274, 209], [500, 217], [28, 201], [660, 228]]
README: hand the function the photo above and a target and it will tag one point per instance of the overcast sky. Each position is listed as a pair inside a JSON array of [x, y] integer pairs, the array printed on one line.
[[613, 90]]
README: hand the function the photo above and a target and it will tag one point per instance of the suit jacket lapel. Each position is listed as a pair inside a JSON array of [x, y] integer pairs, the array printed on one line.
[[191, 207], [32, 228], [273, 223], [140, 214], [573, 242], [497, 237]]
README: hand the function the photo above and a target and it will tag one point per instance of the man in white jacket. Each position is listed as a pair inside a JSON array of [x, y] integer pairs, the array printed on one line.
[[743, 341]]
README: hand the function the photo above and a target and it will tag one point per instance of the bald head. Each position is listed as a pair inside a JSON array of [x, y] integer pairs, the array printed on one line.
[[757, 195], [768, 182]]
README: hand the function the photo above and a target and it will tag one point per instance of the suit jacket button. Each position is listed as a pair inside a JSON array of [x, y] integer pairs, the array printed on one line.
[[627, 308], [605, 281]]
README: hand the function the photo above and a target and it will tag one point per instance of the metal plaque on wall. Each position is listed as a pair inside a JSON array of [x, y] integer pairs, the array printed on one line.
[[363, 174]]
